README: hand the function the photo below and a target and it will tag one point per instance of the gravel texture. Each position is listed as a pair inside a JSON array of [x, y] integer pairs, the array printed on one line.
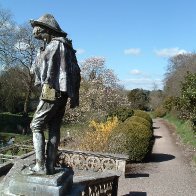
[[167, 173]]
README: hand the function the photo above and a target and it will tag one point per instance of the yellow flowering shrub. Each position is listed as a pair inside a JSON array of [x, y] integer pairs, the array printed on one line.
[[96, 138]]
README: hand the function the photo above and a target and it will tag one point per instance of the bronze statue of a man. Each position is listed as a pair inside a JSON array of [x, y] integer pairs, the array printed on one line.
[[57, 72]]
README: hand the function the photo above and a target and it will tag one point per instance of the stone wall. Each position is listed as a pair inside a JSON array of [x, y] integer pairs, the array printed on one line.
[[97, 162]]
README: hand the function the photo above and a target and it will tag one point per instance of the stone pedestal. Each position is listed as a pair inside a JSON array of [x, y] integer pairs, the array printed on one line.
[[31, 185], [94, 174], [17, 182]]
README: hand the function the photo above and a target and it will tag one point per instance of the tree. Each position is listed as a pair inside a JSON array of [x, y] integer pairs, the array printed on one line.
[[100, 85], [7, 29], [177, 69], [176, 72], [7, 89], [11, 89], [17, 51], [99, 91], [25, 51], [187, 104], [139, 99], [94, 70], [156, 98]]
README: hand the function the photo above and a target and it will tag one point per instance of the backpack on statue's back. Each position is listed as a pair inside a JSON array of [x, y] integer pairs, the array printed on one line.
[[73, 73]]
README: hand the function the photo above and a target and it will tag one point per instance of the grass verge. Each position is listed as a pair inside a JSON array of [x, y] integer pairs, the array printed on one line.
[[183, 129], [185, 132]]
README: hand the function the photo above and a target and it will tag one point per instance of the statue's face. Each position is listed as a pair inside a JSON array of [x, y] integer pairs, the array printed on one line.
[[40, 33]]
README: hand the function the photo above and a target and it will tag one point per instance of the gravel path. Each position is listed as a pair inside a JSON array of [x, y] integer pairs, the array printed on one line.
[[168, 173]]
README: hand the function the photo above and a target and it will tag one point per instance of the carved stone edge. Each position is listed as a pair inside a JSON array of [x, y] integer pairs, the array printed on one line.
[[106, 155], [119, 160], [95, 176]]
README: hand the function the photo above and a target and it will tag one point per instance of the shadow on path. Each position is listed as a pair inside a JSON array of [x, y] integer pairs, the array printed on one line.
[[137, 175], [157, 136], [136, 194], [156, 127], [159, 157]]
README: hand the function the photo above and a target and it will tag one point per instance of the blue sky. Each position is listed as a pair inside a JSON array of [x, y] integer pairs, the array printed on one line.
[[136, 37]]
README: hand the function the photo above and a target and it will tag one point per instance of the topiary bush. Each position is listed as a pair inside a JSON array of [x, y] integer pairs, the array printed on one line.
[[159, 112], [132, 138], [143, 114], [140, 120], [121, 113]]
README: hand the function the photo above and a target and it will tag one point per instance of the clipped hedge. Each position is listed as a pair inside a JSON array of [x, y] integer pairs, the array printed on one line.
[[140, 120], [12, 123], [132, 138], [121, 113], [143, 114]]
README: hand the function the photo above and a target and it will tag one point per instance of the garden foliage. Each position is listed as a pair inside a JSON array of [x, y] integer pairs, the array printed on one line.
[[121, 113], [97, 136], [134, 137], [100, 92], [139, 99], [188, 97]]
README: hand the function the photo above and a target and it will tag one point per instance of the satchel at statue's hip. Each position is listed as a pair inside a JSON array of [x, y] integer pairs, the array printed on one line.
[[48, 93]]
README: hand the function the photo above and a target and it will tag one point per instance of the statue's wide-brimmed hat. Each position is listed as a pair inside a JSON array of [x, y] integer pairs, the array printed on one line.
[[48, 21]]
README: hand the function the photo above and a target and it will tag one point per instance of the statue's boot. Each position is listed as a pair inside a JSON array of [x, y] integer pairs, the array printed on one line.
[[52, 148], [39, 146], [51, 157]]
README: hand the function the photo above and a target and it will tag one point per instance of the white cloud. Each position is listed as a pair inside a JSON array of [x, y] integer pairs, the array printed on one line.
[[80, 51], [132, 51], [144, 83], [135, 72], [139, 80], [169, 52]]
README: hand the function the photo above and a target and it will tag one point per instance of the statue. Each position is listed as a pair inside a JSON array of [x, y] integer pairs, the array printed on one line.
[[57, 72]]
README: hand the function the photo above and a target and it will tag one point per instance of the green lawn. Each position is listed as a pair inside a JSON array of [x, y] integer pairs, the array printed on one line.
[[18, 137]]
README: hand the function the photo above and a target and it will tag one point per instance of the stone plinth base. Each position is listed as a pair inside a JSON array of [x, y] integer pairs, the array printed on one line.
[[46, 185], [17, 182]]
